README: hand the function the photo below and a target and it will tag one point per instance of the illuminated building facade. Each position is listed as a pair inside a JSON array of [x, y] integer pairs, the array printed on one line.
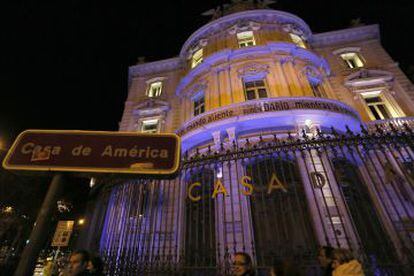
[[254, 96]]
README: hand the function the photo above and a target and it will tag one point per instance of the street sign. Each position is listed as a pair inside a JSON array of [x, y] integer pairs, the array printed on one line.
[[95, 152], [63, 232]]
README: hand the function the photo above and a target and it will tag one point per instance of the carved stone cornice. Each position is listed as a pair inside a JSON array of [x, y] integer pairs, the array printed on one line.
[[155, 67], [345, 35]]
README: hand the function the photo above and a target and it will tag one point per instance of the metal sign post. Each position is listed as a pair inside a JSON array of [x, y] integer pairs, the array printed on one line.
[[37, 237]]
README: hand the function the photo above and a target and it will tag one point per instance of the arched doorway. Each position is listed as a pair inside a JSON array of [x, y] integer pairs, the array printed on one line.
[[281, 220], [374, 240]]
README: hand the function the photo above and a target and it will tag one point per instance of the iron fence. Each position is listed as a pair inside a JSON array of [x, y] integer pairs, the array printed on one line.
[[278, 197]]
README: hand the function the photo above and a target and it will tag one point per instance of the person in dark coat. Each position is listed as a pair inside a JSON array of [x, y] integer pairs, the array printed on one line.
[[95, 266], [242, 265], [78, 263], [325, 258]]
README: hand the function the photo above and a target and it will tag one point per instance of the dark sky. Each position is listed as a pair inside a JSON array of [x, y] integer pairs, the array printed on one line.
[[63, 64]]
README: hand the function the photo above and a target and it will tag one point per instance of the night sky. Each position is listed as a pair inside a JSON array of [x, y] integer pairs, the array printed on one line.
[[64, 63]]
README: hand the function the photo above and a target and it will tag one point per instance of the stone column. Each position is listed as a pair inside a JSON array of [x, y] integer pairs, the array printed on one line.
[[225, 86], [331, 220], [215, 100], [303, 79], [187, 108], [282, 87], [292, 78], [327, 89], [217, 139]]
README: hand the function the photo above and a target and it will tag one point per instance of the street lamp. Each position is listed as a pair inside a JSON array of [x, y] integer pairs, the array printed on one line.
[[81, 221], [7, 210]]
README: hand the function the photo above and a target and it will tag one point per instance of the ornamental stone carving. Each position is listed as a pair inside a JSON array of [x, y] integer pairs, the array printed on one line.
[[312, 73], [253, 69], [197, 87], [244, 26], [291, 28], [151, 107]]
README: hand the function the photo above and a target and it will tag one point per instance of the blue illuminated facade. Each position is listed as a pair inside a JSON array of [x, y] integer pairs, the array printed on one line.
[[218, 95]]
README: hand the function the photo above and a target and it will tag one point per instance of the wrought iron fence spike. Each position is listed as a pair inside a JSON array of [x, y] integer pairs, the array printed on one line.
[[234, 144], [318, 132], [349, 132], [393, 128], [378, 128], [363, 130], [407, 128]]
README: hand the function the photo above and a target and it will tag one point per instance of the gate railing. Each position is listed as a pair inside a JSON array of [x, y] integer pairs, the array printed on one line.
[[276, 197]]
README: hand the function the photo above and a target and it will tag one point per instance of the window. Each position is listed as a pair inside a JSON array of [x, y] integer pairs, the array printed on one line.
[[352, 60], [198, 104], [246, 39], [154, 89], [376, 105], [150, 126], [197, 58], [297, 40], [255, 89]]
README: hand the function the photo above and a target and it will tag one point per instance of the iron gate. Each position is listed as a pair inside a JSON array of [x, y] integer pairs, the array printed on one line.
[[276, 197]]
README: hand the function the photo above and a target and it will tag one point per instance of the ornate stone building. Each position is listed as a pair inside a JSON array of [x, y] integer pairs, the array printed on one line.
[[254, 95]]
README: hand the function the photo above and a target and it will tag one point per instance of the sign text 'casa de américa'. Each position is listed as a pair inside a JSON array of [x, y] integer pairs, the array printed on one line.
[[95, 152]]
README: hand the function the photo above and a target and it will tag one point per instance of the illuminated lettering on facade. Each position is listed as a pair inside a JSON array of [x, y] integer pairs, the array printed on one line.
[[247, 186], [271, 105]]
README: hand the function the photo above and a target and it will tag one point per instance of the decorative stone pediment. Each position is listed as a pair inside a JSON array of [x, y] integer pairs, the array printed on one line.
[[369, 77], [151, 107], [291, 28], [244, 26], [253, 69]]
